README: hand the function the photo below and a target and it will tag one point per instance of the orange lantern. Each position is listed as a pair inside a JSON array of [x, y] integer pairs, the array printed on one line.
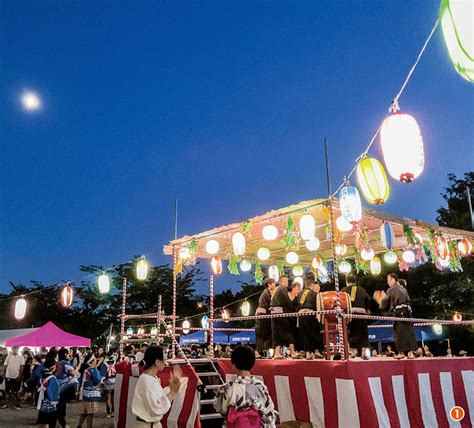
[[442, 248], [216, 265], [340, 249], [67, 295], [316, 263], [457, 317], [465, 246]]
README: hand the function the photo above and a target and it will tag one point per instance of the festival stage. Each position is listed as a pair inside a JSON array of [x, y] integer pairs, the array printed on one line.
[[347, 394]]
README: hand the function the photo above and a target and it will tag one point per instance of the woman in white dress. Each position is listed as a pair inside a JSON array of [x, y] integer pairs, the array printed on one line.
[[151, 401]]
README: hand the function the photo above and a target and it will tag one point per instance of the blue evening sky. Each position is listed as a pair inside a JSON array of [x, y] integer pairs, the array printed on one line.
[[222, 104]]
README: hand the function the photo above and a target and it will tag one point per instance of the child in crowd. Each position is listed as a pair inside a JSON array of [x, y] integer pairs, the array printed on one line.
[[48, 396], [245, 401], [90, 391]]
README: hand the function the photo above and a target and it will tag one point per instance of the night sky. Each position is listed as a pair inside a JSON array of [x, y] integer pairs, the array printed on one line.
[[223, 105]]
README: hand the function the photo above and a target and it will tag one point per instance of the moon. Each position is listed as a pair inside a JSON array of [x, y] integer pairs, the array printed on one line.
[[30, 101]]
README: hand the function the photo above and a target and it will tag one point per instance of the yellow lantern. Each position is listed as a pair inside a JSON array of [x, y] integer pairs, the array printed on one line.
[[298, 271], [307, 227], [216, 265], [20, 308], [142, 269], [104, 283], [263, 253], [269, 232], [373, 181], [292, 258], [187, 326], [375, 266], [67, 295], [402, 147], [245, 309], [340, 249], [212, 246], [238, 243], [456, 21], [465, 247]]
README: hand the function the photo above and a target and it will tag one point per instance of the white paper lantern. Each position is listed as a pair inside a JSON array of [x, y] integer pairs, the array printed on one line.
[[367, 254], [212, 246], [340, 249], [351, 206], [298, 280], [245, 265], [269, 232], [292, 258], [344, 266], [298, 271], [273, 272], [225, 315], [238, 243], [154, 330], [390, 257], [263, 253], [402, 147], [465, 246], [408, 256], [343, 225], [187, 326], [184, 253], [205, 322], [313, 244], [307, 227], [104, 283], [375, 266], [129, 331], [140, 331], [245, 309], [438, 329], [20, 308], [142, 269]]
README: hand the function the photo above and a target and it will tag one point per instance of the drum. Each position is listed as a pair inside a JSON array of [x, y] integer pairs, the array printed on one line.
[[328, 300]]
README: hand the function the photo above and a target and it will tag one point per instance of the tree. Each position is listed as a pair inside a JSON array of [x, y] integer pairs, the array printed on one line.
[[457, 214]]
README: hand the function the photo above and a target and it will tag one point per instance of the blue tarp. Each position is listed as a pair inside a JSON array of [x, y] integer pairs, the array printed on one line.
[[199, 338], [243, 337], [385, 334]]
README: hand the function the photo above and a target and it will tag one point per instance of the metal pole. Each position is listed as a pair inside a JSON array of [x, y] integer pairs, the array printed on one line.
[[470, 206], [341, 338], [122, 317], [211, 315]]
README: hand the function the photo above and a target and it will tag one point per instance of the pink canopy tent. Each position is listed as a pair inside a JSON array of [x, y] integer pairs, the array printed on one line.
[[48, 335]]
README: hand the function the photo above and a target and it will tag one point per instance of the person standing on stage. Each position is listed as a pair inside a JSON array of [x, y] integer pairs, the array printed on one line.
[[282, 334], [309, 327], [396, 303], [358, 332], [263, 327]]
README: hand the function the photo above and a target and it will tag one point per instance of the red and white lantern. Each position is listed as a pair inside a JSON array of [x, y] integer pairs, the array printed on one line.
[[442, 248], [216, 265], [465, 247], [67, 295]]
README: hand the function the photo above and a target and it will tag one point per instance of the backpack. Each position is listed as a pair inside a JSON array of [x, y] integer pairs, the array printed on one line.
[[244, 418]]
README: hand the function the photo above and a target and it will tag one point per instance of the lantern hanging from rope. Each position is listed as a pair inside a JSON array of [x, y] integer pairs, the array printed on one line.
[[351, 207], [205, 322], [312, 244], [129, 331], [154, 330], [344, 266], [367, 254], [390, 257], [316, 263], [269, 232], [142, 269], [340, 249], [20, 308], [343, 225], [184, 254], [298, 271], [245, 265], [225, 315], [245, 309], [438, 329], [273, 272], [408, 256], [186, 326], [292, 258], [373, 181], [263, 253], [456, 21], [216, 265], [402, 147], [212, 247], [375, 266], [457, 317], [465, 247], [104, 283], [387, 235], [307, 227], [67, 295], [298, 280], [141, 331], [238, 244], [442, 247]]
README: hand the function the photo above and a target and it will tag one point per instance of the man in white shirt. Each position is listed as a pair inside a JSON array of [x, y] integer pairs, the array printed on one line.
[[14, 367], [141, 353]]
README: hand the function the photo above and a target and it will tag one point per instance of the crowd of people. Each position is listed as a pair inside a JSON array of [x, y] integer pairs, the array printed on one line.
[[54, 377], [301, 337]]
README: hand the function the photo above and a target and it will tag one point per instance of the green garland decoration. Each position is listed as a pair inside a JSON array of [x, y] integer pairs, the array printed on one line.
[[291, 236], [193, 247], [281, 268], [246, 227], [258, 273], [232, 266], [454, 260], [431, 247], [409, 235], [360, 264]]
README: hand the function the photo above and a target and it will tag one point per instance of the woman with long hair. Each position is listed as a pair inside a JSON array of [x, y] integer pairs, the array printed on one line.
[[68, 383], [90, 390]]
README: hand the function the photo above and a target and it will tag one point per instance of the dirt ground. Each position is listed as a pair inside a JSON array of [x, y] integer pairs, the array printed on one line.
[[10, 418]]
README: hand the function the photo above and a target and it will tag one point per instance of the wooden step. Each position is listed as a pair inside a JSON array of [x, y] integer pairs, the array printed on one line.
[[206, 401]]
